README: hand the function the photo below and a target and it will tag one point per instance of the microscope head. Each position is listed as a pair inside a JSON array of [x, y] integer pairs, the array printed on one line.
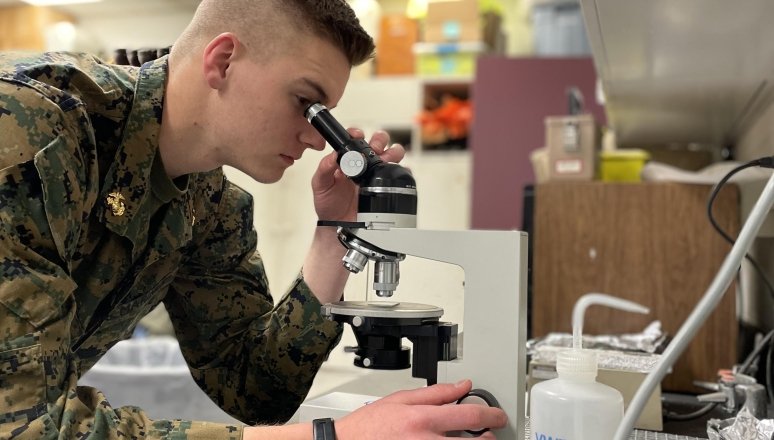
[[387, 199], [388, 191]]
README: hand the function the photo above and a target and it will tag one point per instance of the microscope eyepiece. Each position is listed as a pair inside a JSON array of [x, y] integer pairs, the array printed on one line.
[[313, 110]]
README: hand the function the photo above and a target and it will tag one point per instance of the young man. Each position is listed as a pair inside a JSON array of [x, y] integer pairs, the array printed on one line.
[[112, 199]]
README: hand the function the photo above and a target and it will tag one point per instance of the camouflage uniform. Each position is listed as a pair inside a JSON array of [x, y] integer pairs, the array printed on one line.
[[93, 235]]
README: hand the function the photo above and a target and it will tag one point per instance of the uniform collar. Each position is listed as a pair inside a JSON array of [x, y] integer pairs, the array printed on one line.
[[127, 192]]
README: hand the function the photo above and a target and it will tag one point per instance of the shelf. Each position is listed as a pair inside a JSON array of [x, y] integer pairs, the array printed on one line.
[[394, 103]]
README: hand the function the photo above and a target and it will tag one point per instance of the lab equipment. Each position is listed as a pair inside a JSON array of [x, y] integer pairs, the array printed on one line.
[[708, 303], [494, 263], [623, 362], [574, 405]]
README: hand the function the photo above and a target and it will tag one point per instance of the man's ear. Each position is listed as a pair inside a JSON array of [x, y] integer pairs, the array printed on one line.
[[218, 56]]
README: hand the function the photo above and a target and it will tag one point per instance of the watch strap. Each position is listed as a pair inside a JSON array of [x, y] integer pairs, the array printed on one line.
[[322, 429]]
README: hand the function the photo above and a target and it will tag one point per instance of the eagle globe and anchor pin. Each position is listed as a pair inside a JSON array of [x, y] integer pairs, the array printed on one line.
[[116, 203]]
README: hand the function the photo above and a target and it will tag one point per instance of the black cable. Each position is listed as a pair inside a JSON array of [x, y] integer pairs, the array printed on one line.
[[756, 351], [690, 416], [769, 388], [767, 162]]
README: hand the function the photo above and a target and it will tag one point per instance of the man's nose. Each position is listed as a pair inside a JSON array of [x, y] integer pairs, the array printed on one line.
[[312, 138]]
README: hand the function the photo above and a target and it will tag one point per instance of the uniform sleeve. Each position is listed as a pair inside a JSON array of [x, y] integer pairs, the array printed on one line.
[[256, 360], [39, 396]]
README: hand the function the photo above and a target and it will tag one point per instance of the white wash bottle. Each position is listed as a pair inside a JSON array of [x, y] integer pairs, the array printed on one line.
[[574, 406]]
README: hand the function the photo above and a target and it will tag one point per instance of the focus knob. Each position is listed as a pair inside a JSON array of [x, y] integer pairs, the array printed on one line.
[[353, 163]]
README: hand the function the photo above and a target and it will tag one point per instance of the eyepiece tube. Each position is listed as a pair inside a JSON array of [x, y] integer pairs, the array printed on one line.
[[320, 117], [355, 155]]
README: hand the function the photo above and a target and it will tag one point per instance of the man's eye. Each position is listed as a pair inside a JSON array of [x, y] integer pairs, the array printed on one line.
[[304, 102]]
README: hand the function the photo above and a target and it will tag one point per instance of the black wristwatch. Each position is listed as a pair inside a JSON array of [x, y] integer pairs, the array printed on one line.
[[322, 429]]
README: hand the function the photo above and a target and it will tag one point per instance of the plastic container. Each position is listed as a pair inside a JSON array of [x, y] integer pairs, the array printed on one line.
[[152, 374], [558, 29], [622, 165], [574, 406], [447, 59]]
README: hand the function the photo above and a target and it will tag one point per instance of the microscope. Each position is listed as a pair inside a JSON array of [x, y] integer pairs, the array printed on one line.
[[493, 351]]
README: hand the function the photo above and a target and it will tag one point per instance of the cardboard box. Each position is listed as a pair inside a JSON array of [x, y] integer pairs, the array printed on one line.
[[397, 36], [572, 143], [453, 21]]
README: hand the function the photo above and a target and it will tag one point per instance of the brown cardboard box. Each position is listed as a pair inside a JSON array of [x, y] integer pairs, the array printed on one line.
[[452, 21], [572, 143], [394, 55]]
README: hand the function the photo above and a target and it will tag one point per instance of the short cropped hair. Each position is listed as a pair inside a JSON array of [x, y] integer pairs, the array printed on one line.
[[269, 24]]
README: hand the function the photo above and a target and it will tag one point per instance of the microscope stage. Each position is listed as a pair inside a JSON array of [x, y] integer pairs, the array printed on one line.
[[380, 309]]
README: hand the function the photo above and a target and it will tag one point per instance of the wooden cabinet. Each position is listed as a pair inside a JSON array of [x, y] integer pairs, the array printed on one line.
[[24, 27], [651, 243]]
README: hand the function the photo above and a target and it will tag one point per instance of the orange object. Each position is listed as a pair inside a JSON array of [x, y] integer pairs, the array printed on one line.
[[394, 55], [450, 120]]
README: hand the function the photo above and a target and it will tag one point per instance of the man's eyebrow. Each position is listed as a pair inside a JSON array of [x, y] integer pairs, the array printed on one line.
[[322, 95]]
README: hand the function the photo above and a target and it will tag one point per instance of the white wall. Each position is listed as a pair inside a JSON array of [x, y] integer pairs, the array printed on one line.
[[103, 35]]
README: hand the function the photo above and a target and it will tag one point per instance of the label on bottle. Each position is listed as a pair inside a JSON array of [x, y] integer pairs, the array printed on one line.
[[539, 436]]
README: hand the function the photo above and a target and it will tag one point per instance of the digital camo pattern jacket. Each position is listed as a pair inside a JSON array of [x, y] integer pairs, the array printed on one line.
[[93, 235]]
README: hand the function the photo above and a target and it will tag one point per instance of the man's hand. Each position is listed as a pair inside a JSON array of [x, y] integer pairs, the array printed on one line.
[[335, 196], [420, 414]]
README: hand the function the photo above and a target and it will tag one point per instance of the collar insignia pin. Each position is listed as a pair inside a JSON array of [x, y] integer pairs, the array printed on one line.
[[115, 202]]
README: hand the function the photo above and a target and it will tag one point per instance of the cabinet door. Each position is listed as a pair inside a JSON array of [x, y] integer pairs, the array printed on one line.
[[651, 243]]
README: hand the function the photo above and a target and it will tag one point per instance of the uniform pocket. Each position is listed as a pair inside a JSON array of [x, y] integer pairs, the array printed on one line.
[[22, 385]]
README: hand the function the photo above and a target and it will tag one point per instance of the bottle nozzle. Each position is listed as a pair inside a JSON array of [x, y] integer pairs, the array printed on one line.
[[589, 299]]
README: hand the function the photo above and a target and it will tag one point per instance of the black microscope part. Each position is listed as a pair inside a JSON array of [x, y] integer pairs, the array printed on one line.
[[488, 398], [379, 341]]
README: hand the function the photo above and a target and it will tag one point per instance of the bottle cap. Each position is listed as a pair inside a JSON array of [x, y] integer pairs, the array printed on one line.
[[575, 361]]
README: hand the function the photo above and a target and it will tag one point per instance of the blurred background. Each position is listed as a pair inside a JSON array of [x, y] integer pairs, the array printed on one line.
[[597, 126]]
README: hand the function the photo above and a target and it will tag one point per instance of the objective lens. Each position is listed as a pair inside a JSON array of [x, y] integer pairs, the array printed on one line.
[[354, 261], [386, 277]]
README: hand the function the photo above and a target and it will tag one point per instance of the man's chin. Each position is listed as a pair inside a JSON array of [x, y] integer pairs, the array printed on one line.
[[261, 175], [268, 178]]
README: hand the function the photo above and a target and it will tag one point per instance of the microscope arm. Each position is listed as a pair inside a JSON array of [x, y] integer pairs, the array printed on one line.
[[454, 247]]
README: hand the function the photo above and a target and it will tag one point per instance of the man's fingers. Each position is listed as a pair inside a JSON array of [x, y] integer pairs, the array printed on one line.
[[438, 394], [356, 133], [324, 175], [394, 154], [465, 417], [379, 141]]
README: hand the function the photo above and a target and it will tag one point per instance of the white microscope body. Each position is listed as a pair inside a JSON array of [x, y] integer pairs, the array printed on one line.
[[493, 355], [495, 305]]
